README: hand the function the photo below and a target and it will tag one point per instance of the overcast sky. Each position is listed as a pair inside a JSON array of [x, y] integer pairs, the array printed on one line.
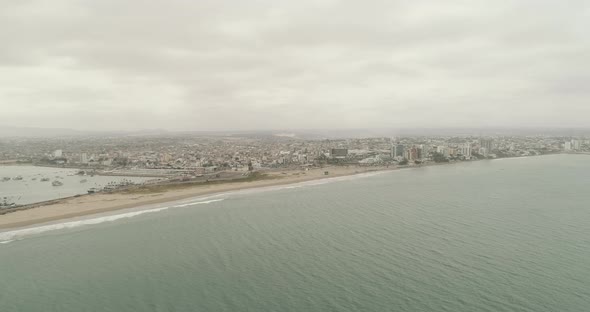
[[213, 65]]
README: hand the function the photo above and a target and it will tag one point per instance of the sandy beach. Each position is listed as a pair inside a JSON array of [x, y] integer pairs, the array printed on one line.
[[107, 202]]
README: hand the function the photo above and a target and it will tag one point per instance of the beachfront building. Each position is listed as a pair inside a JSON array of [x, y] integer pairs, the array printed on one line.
[[466, 150]]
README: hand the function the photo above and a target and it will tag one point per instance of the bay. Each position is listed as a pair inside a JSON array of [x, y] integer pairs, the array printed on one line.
[[32, 190]]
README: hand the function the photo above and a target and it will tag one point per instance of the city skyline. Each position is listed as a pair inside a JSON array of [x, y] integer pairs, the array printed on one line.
[[281, 65]]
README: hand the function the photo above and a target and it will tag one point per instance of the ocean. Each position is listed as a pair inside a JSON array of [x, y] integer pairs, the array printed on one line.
[[503, 235]]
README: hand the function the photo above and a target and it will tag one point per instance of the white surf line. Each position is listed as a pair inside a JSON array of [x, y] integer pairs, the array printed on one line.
[[10, 236], [198, 203]]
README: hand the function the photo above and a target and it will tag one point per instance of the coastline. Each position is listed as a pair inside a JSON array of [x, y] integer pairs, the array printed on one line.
[[94, 204], [86, 205]]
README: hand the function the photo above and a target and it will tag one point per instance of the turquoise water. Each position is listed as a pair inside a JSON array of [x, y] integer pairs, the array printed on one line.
[[508, 235]]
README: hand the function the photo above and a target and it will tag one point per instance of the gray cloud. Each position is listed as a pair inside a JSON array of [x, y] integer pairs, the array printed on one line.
[[284, 64]]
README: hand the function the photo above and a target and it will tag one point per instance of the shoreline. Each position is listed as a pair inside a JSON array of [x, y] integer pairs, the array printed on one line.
[[94, 204]]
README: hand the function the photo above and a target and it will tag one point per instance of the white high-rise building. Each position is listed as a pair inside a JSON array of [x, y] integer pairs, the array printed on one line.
[[445, 151], [84, 158], [57, 153], [576, 144], [567, 146], [466, 150], [483, 151]]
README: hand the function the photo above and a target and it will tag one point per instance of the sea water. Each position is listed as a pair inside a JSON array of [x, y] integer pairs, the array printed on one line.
[[31, 189], [510, 235]]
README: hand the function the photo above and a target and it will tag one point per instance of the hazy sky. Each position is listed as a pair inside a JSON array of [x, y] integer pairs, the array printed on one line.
[[211, 65]]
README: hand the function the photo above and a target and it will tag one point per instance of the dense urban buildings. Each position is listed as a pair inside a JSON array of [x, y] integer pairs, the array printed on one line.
[[196, 155]]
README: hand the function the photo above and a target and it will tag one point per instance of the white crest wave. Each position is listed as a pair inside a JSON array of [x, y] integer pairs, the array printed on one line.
[[10, 236]]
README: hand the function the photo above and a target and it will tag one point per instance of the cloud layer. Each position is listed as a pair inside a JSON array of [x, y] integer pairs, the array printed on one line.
[[211, 65]]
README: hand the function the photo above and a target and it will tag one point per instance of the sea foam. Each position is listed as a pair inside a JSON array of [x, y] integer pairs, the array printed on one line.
[[10, 236]]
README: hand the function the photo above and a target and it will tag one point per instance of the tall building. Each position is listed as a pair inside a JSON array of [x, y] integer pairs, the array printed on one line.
[[488, 144], [399, 150], [444, 150], [567, 146], [576, 144], [412, 154], [57, 153], [483, 151], [84, 158], [466, 150]]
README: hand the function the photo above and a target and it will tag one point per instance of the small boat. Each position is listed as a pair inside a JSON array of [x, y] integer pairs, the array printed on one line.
[[33, 179], [56, 183], [7, 203], [5, 179], [93, 190], [83, 181], [18, 178], [44, 179]]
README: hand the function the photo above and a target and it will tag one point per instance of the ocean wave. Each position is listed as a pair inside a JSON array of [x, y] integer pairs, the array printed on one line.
[[198, 203], [10, 236], [293, 187]]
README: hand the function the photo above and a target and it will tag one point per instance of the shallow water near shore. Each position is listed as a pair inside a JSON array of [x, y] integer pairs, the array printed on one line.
[[484, 236], [14, 234]]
